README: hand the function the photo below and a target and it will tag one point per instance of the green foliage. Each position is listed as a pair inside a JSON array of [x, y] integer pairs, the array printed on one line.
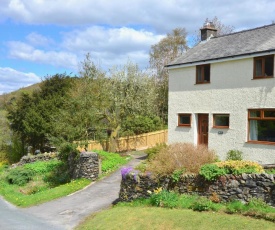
[[31, 114], [58, 176], [12, 192], [151, 152], [41, 167], [270, 171], [19, 176], [140, 124], [234, 207], [254, 208], [211, 171], [234, 155], [203, 204], [177, 174], [164, 199], [15, 150], [110, 161]]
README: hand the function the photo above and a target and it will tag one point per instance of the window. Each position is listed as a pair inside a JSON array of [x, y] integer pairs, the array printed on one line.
[[263, 67], [184, 119], [221, 121], [203, 74], [261, 125]]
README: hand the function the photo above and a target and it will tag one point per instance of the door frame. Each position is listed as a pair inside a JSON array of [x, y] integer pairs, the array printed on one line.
[[200, 117]]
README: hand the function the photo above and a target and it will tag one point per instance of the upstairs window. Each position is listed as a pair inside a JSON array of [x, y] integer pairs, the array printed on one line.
[[263, 67], [203, 74], [261, 125], [184, 119]]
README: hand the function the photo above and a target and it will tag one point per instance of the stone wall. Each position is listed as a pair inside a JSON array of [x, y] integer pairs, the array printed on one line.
[[34, 158], [226, 188], [86, 166]]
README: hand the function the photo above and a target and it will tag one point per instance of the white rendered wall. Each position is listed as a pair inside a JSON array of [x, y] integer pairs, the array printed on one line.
[[231, 91]]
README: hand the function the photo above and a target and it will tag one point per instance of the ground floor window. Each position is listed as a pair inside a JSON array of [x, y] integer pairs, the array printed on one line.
[[221, 121], [184, 119], [261, 125]]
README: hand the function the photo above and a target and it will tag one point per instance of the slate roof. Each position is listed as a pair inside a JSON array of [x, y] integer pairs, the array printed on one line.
[[247, 42]]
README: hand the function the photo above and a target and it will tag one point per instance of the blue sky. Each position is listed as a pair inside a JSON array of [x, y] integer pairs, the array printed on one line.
[[44, 37]]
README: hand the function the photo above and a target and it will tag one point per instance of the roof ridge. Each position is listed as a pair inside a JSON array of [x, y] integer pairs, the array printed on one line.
[[243, 31]]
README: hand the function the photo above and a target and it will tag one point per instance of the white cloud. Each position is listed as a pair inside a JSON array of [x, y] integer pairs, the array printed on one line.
[[23, 51], [12, 79], [161, 16], [112, 46], [108, 46], [38, 39]]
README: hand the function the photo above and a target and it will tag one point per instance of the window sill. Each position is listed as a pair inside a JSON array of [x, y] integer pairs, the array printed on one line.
[[261, 142], [220, 127], [261, 78], [201, 83]]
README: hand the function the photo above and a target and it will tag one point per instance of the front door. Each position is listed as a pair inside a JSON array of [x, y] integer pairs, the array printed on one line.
[[203, 129]]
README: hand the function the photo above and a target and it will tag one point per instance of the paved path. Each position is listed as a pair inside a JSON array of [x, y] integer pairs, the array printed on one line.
[[69, 211], [13, 218]]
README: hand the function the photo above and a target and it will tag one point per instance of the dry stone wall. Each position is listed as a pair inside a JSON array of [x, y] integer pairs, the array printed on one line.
[[226, 188], [87, 166]]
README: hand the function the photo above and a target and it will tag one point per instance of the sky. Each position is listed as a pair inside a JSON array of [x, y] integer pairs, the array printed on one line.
[[40, 38]]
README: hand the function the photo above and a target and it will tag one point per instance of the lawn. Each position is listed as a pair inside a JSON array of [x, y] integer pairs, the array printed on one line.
[[39, 182], [160, 218]]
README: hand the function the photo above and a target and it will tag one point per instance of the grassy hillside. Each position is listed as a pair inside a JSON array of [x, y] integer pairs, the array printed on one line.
[[8, 96]]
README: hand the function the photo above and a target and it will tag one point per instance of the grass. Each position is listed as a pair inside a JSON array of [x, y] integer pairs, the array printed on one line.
[[169, 210], [111, 161], [48, 180], [160, 218], [12, 193]]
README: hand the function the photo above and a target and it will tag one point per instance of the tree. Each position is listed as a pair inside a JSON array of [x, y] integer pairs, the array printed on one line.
[[131, 94], [161, 54], [31, 114], [101, 102], [222, 29], [80, 119]]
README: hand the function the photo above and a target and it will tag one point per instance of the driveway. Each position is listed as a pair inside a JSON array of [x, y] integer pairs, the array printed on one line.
[[69, 211], [13, 218]]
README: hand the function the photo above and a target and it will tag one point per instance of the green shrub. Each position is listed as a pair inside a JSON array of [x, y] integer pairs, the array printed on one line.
[[234, 207], [177, 174], [140, 124], [151, 152], [203, 204], [58, 176], [270, 171], [42, 167], [234, 155], [239, 167], [164, 199], [19, 176], [212, 171], [256, 203]]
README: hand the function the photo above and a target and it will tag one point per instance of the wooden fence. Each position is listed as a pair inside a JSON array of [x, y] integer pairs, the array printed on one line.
[[138, 142]]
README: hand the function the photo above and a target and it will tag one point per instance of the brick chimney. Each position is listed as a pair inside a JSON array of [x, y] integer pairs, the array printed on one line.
[[208, 30]]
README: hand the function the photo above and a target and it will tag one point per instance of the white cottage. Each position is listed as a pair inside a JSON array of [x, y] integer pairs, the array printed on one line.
[[222, 93]]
